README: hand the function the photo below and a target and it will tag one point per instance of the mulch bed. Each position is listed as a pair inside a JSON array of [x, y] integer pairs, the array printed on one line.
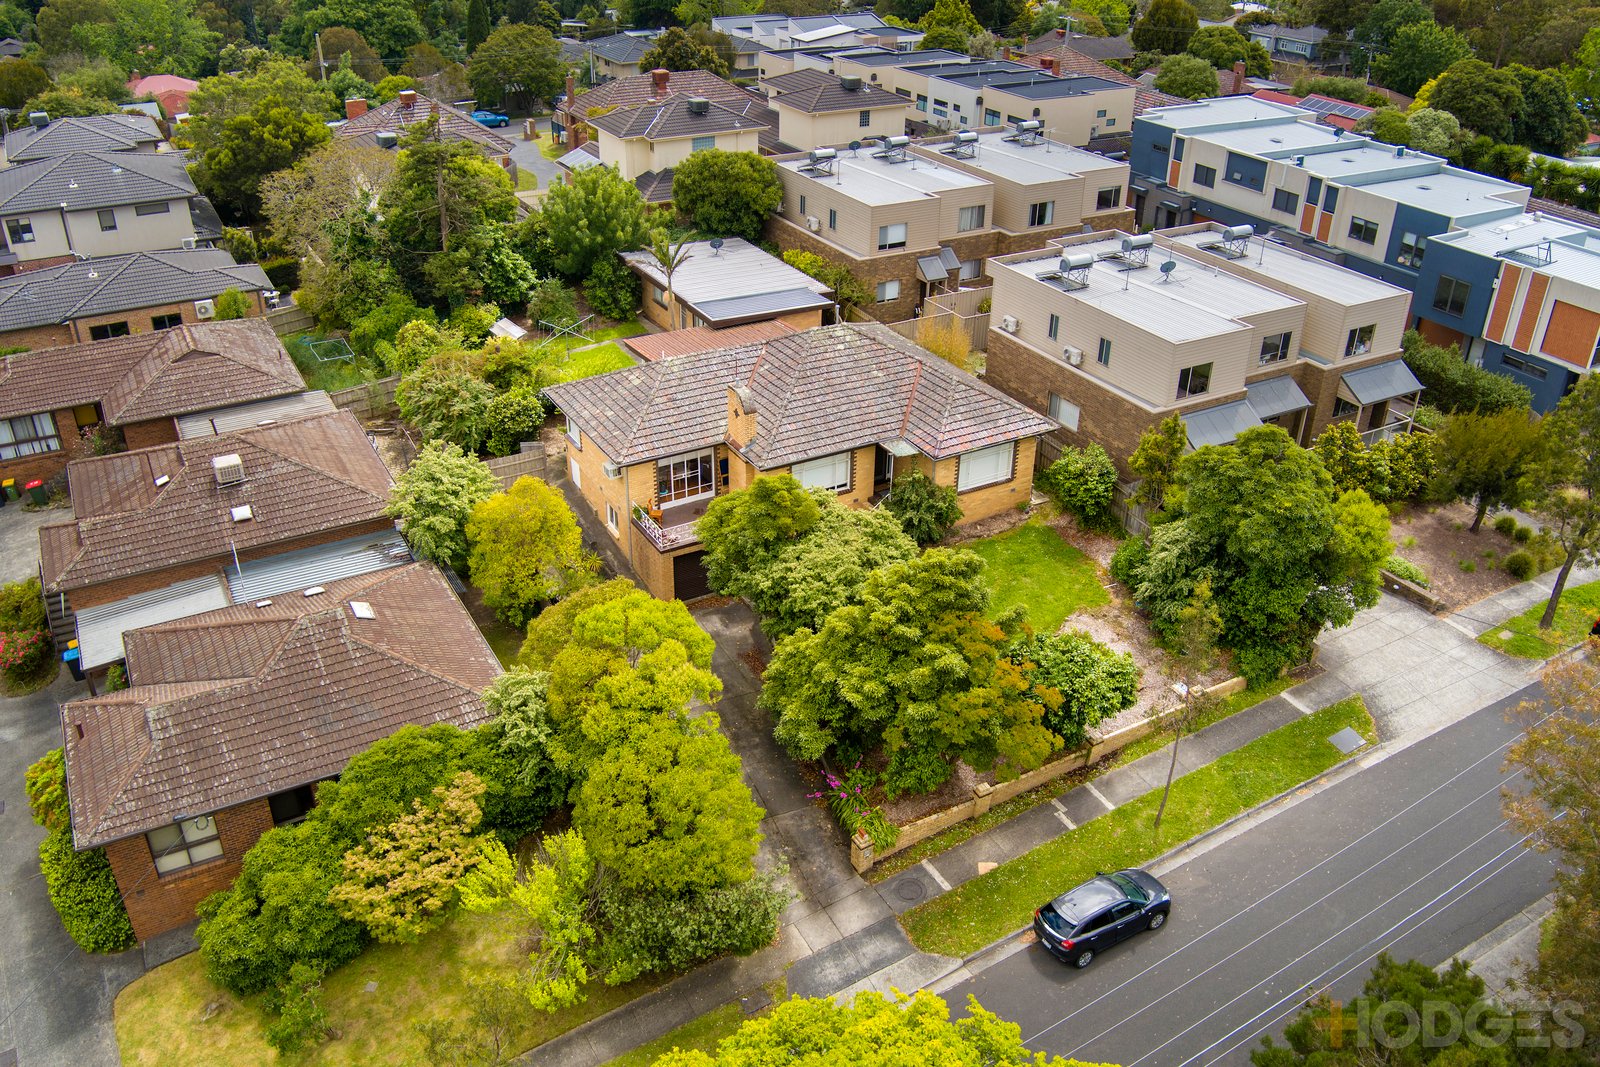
[[1443, 544]]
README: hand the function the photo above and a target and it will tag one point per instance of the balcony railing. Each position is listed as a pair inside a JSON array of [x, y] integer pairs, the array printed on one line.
[[665, 538]]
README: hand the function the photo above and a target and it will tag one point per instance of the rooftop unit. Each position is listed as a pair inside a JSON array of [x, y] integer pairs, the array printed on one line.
[[821, 161], [699, 105], [894, 149], [965, 146], [1026, 133], [1073, 272], [228, 469], [1235, 242]]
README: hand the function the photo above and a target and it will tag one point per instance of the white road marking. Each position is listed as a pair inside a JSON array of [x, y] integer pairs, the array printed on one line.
[[933, 872], [1099, 796]]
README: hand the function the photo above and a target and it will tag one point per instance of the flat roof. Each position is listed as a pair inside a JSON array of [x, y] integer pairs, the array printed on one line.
[[1223, 110], [1047, 161], [1178, 306], [863, 177], [1037, 85], [1272, 139], [1295, 268], [1546, 244], [1451, 192]]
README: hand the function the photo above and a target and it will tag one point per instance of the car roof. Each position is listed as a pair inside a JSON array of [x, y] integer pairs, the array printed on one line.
[[1078, 904]]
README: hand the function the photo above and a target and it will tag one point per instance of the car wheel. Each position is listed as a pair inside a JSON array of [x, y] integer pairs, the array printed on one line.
[[1083, 959], [1158, 920]]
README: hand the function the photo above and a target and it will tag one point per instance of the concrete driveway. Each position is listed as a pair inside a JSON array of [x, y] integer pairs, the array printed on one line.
[[529, 157], [19, 539]]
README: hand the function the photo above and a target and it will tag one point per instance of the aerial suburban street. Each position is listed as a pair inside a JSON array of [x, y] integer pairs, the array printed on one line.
[[1408, 856]]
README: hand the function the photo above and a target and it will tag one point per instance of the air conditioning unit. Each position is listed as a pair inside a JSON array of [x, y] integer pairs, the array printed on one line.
[[206, 309], [228, 469], [1009, 323], [1074, 355], [190, 243], [610, 469], [813, 223]]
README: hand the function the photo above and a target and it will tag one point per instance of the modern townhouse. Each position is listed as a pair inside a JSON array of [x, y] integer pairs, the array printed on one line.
[[87, 204], [853, 29], [728, 282], [1110, 332], [91, 300], [817, 108], [153, 387], [42, 137], [847, 408], [912, 220], [174, 530], [233, 717]]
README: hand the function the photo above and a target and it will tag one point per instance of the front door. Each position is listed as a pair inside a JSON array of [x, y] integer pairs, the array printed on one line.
[[882, 466]]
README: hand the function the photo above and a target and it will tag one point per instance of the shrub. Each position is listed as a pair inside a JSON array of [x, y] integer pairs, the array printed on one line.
[[514, 416], [24, 654], [473, 321], [1094, 682], [1520, 565], [1506, 525], [1467, 566], [1404, 568], [1455, 385], [46, 786], [850, 291], [116, 678], [525, 549], [383, 323], [551, 301], [654, 933], [1129, 559], [447, 404], [612, 289], [415, 343], [22, 606], [926, 510], [231, 304], [302, 1021], [946, 338], [1082, 481], [84, 893], [1521, 534]]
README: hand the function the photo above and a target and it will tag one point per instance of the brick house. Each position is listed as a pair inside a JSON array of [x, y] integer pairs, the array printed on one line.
[[818, 108], [847, 408], [232, 717], [175, 530], [45, 137], [645, 143], [91, 300], [729, 285], [571, 119], [914, 220], [145, 384], [1102, 334], [369, 125]]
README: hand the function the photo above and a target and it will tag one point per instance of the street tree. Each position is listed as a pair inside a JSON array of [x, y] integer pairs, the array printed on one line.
[[1195, 650], [1187, 76], [434, 497], [676, 50], [526, 548], [1420, 51], [1485, 458], [1482, 98], [1567, 482], [1165, 27], [597, 214], [727, 194], [1222, 46], [1156, 459], [517, 65]]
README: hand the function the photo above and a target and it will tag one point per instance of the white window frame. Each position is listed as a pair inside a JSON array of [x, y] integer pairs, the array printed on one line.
[[833, 473], [612, 518], [983, 467], [704, 491], [574, 434], [887, 234], [180, 845], [1065, 412], [887, 291], [42, 436]]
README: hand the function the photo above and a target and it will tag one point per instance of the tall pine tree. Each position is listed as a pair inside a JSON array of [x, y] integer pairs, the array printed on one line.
[[477, 23]]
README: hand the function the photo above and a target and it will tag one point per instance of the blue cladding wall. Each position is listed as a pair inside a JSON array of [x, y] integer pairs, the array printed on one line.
[[1408, 219], [1246, 171], [1144, 157], [1557, 383], [1476, 270]]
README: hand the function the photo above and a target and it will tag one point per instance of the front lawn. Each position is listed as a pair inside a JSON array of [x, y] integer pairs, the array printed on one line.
[[992, 905], [592, 361], [1034, 566], [173, 1015], [1574, 615]]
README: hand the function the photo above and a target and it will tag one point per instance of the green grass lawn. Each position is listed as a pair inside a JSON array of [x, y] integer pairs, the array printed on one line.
[[332, 374], [992, 905], [1231, 705], [1574, 615], [550, 148], [586, 364], [1035, 567], [702, 1034], [506, 641]]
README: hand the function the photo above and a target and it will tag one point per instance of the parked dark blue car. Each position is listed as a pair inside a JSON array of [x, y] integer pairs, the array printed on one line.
[[1101, 912]]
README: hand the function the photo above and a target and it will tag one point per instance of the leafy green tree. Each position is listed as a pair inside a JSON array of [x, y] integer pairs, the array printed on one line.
[[1436, 132], [447, 402], [666, 808], [1195, 647], [745, 529], [913, 666], [1549, 119], [926, 509], [727, 194], [676, 50], [1187, 76], [232, 304], [1166, 27], [403, 881], [519, 701], [1484, 99], [597, 215], [155, 36], [70, 103], [807, 579], [1083, 481], [19, 80], [1583, 73], [1094, 682], [267, 138], [1483, 458], [871, 1031], [480, 264], [517, 64], [434, 497], [526, 548], [1383, 20], [514, 417], [1222, 46], [951, 14], [477, 24], [346, 84], [951, 38], [389, 26], [1156, 459], [324, 194], [302, 1020], [339, 42], [1454, 385], [1420, 51], [549, 633], [1567, 482]]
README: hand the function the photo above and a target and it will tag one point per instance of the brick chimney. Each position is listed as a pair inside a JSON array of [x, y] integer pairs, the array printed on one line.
[[1047, 64], [408, 99], [658, 80], [355, 107], [1240, 86], [1061, 35], [741, 416], [572, 90]]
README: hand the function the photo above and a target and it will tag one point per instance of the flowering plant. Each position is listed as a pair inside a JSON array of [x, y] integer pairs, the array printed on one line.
[[22, 651], [847, 799]]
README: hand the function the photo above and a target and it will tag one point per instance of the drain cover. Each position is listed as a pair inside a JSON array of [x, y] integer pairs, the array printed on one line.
[[910, 889], [1347, 740]]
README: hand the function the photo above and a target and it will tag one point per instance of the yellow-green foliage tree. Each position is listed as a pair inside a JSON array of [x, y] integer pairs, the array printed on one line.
[[525, 548]]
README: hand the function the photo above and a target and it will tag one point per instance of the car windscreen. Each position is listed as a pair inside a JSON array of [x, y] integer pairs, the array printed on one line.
[[1133, 889]]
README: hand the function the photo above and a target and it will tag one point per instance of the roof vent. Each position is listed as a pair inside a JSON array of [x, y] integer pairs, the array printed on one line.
[[894, 149], [242, 513], [229, 469], [965, 145], [699, 105], [314, 590], [850, 83], [263, 603], [362, 610], [1027, 132], [162, 479]]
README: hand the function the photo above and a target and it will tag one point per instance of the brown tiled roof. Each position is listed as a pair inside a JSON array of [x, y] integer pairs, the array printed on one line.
[[817, 92], [302, 477], [655, 186], [395, 117], [816, 392], [1096, 47], [1069, 61], [245, 702], [653, 346], [640, 89], [153, 375], [670, 118]]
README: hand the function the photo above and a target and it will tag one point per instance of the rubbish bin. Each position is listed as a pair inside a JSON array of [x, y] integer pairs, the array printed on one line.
[[35, 489], [10, 487], [74, 661]]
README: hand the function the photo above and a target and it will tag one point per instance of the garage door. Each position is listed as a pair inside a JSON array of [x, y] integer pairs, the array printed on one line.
[[689, 576]]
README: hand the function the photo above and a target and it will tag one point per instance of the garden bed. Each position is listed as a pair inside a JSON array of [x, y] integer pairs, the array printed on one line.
[[1437, 540]]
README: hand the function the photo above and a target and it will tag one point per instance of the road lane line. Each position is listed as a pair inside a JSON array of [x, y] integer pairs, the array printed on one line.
[[1061, 813], [1295, 703]]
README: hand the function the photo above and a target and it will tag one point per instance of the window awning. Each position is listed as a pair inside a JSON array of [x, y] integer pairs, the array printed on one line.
[[1384, 381], [732, 310], [1221, 424], [1274, 397], [939, 267]]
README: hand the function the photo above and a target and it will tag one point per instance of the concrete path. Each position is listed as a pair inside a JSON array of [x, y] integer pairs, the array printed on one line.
[[1501, 956], [19, 539]]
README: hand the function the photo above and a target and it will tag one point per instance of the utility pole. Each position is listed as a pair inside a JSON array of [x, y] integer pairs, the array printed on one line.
[[322, 64]]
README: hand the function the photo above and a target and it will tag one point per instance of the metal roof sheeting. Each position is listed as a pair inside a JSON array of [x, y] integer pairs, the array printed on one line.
[[243, 416], [1221, 424], [735, 309], [293, 572], [1275, 396], [100, 628], [1385, 381]]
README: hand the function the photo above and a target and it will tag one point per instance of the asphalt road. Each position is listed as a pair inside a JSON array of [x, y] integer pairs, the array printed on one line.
[[1408, 856]]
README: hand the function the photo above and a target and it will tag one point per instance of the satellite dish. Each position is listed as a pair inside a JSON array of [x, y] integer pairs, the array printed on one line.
[[716, 243], [1169, 266], [855, 146]]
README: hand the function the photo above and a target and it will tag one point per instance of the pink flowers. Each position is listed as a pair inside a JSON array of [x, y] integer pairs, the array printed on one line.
[[18, 647]]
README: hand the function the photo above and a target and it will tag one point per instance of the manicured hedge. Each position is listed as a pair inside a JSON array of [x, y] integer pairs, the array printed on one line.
[[84, 893]]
